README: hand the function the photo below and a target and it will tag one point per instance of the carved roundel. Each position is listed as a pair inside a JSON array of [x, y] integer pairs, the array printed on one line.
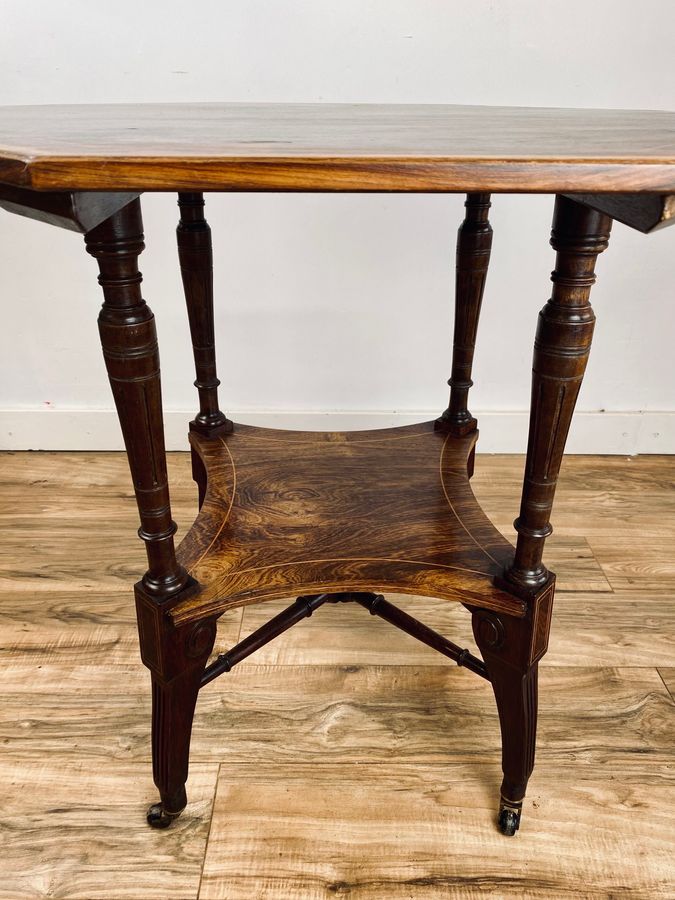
[[200, 639], [490, 630]]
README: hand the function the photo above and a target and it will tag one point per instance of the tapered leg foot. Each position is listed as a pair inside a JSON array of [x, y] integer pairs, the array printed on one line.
[[516, 694], [511, 649], [177, 658]]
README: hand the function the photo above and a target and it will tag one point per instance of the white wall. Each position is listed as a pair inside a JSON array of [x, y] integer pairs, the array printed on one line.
[[335, 311]]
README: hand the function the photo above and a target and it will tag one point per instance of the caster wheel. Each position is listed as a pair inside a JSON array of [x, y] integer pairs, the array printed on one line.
[[509, 820], [158, 817]]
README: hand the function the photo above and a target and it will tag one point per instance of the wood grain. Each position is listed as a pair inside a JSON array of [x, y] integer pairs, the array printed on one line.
[[636, 563], [561, 350], [398, 832], [74, 211], [472, 260], [327, 147], [76, 828], [313, 512], [78, 626], [360, 712], [668, 676], [410, 746], [351, 715], [645, 212], [286, 517], [55, 506], [128, 337]]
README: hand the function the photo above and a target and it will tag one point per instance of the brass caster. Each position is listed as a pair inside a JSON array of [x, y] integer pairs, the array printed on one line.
[[158, 817], [509, 817]]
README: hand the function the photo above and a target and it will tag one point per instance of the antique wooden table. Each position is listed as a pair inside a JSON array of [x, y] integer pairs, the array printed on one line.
[[337, 517]]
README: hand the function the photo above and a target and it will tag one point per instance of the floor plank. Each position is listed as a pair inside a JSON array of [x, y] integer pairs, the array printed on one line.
[[634, 563], [309, 832], [69, 521], [353, 761], [622, 718], [668, 676], [75, 828], [79, 627]]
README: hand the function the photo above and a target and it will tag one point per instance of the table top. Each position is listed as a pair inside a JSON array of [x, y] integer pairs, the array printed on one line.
[[335, 147]]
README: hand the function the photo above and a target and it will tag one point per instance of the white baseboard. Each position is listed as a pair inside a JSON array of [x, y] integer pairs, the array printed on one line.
[[624, 433]]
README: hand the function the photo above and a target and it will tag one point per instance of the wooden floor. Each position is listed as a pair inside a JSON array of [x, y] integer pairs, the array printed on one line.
[[344, 759]]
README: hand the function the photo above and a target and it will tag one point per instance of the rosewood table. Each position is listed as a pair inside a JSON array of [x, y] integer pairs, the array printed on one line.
[[337, 517]]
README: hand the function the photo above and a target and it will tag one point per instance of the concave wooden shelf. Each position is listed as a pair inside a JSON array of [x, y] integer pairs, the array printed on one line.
[[290, 513]]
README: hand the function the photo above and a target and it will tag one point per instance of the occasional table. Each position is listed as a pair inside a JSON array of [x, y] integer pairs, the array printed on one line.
[[337, 517]]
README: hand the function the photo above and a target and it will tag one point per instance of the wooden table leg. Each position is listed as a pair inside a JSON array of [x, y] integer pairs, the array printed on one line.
[[561, 351], [196, 263], [175, 656], [511, 649], [474, 243]]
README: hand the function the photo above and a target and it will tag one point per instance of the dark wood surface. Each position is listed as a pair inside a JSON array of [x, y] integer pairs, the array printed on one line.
[[342, 726], [195, 254], [644, 212], [129, 341], [561, 350], [303, 512], [329, 147], [341, 514], [474, 243], [73, 210]]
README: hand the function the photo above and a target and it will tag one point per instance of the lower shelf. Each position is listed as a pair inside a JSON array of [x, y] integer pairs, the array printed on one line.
[[290, 513]]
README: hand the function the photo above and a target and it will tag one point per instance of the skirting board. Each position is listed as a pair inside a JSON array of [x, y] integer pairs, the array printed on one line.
[[624, 433]]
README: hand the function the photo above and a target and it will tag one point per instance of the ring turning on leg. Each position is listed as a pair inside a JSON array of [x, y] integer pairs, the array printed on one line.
[[474, 242], [561, 350], [195, 254], [176, 657]]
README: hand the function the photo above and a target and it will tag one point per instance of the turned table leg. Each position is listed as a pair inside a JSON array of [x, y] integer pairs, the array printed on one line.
[[176, 657], [196, 264], [474, 242], [512, 648], [561, 349]]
